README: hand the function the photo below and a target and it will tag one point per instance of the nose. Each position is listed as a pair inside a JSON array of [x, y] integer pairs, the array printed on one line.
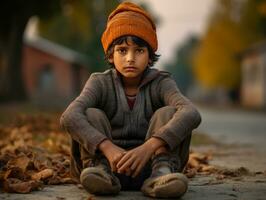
[[130, 56]]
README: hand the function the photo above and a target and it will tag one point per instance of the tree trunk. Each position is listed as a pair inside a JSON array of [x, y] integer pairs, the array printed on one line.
[[11, 80]]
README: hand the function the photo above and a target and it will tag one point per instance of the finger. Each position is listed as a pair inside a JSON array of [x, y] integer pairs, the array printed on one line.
[[134, 165], [123, 160], [117, 159], [137, 171], [126, 165], [113, 167]]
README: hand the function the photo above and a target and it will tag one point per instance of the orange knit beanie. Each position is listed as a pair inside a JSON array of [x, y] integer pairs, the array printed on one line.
[[129, 19]]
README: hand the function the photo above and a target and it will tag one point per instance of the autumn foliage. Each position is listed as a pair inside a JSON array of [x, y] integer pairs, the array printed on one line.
[[233, 27], [33, 152]]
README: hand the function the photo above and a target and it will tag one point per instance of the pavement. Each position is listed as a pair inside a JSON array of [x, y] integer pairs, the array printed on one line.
[[231, 125], [242, 135], [200, 188]]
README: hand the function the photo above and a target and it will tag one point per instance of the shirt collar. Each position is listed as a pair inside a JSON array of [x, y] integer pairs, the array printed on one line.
[[148, 75]]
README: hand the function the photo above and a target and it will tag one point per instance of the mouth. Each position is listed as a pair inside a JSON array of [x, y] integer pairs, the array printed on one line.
[[130, 68]]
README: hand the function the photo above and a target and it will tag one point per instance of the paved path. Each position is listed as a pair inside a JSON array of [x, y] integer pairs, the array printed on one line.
[[199, 189], [244, 131], [234, 126]]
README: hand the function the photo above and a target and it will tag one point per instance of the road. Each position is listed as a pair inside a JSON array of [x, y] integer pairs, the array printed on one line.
[[251, 188], [234, 126], [243, 131]]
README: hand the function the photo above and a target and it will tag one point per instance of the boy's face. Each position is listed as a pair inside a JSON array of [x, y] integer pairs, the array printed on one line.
[[130, 59]]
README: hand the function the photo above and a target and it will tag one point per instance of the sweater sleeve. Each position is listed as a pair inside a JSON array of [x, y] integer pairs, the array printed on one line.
[[74, 119], [185, 119]]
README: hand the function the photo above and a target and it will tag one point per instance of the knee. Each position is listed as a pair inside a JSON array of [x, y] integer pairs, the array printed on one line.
[[165, 111], [93, 113]]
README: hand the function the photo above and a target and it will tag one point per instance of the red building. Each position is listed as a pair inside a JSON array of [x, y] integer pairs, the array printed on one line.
[[53, 74]]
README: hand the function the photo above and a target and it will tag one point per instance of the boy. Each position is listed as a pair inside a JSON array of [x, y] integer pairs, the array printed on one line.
[[130, 126]]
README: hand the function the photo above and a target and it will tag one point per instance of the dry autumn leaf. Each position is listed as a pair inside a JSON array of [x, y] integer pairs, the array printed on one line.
[[18, 186], [42, 175], [26, 162], [21, 161]]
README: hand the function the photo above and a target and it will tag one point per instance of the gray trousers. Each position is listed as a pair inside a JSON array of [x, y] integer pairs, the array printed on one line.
[[98, 119]]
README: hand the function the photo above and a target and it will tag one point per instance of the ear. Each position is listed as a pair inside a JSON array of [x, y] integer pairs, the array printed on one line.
[[111, 59]]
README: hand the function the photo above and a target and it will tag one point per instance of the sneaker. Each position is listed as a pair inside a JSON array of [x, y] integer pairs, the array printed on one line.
[[100, 179], [164, 182]]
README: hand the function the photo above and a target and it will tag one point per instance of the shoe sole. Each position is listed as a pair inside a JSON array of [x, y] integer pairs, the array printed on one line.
[[167, 186], [97, 181]]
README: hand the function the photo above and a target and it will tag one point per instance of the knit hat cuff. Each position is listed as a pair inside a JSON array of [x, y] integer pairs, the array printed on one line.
[[123, 29]]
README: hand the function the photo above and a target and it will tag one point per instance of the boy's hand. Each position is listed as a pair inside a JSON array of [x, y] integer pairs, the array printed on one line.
[[112, 152], [134, 160]]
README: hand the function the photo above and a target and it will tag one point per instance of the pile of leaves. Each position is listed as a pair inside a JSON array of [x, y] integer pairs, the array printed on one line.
[[34, 152], [199, 163]]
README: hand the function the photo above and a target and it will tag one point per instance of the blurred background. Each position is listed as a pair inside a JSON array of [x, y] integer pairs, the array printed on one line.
[[215, 50]]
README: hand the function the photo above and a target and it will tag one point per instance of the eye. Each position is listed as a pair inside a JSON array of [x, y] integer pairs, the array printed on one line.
[[140, 50], [121, 51]]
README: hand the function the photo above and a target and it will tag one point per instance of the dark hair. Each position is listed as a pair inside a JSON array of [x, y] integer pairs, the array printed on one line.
[[138, 41]]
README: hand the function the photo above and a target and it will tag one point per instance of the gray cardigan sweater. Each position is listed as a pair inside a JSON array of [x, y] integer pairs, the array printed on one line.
[[105, 91]]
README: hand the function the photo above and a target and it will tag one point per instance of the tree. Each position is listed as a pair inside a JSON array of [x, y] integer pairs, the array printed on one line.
[[253, 20], [181, 65], [80, 27], [233, 26], [14, 15], [262, 8]]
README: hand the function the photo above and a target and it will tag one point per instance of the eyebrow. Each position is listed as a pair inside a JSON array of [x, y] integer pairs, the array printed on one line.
[[127, 46], [121, 46]]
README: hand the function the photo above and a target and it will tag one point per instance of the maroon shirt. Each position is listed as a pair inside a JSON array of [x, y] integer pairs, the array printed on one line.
[[131, 100]]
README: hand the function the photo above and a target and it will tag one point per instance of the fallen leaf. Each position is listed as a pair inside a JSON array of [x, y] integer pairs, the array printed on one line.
[[91, 197], [208, 168], [15, 172], [18, 186], [42, 175], [21, 161], [235, 172], [60, 198], [190, 173]]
